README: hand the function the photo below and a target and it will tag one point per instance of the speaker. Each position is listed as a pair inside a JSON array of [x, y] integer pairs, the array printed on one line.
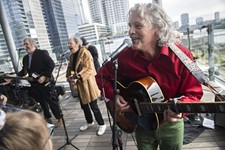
[[219, 119]]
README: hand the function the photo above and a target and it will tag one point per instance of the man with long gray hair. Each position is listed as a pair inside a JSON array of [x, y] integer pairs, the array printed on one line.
[[38, 65], [150, 61]]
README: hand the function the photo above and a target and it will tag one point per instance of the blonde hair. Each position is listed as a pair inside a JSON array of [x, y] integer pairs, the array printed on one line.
[[26, 130]]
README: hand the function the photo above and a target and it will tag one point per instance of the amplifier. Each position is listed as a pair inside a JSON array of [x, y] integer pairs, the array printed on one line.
[[219, 119]]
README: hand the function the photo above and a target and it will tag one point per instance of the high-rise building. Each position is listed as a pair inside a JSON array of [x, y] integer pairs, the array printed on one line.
[[81, 10], [4, 54], [74, 16], [25, 19], [112, 13], [36, 23], [199, 22], [217, 16], [185, 19], [96, 11], [92, 32], [50, 23], [55, 20], [63, 18]]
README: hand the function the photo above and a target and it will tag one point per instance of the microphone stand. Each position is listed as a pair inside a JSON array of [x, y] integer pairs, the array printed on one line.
[[116, 133], [17, 88], [68, 141]]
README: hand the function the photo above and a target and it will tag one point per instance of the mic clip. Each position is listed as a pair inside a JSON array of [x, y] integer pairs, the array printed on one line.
[[64, 54], [20, 49]]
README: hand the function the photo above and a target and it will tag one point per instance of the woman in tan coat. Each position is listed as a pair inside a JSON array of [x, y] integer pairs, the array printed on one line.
[[81, 73]]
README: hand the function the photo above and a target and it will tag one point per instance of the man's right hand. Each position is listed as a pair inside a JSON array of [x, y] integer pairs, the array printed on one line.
[[3, 99], [71, 79], [122, 105]]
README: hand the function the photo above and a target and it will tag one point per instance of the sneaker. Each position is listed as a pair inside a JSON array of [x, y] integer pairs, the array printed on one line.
[[58, 123], [86, 126], [49, 120], [101, 129]]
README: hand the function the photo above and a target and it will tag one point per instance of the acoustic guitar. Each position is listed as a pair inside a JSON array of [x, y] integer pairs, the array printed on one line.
[[148, 104]]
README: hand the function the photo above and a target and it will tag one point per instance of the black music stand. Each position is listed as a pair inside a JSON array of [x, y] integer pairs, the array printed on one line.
[[68, 141]]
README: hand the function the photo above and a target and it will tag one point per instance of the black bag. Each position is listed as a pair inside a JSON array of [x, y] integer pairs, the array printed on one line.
[[60, 90]]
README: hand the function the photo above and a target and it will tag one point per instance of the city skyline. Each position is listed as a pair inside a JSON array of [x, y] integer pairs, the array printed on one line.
[[195, 8], [174, 8]]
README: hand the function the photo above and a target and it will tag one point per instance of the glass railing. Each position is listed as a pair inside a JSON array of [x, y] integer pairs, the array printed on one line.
[[208, 48]]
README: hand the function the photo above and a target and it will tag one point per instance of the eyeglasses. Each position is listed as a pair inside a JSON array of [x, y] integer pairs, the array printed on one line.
[[51, 131], [48, 138]]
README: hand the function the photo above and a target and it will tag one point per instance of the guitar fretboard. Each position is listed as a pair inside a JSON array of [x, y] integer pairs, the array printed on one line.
[[201, 107]]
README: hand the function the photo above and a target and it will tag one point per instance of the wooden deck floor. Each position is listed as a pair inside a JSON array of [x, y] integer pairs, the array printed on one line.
[[209, 139]]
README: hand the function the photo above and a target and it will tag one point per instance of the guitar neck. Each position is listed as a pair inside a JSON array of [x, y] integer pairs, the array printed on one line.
[[200, 107], [20, 78]]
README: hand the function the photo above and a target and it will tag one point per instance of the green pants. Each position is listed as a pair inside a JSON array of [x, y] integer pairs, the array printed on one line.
[[169, 136]]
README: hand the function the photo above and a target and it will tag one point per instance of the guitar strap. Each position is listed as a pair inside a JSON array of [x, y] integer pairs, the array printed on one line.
[[192, 67]]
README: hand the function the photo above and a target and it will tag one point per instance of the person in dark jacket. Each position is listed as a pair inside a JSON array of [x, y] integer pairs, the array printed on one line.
[[94, 52], [39, 66]]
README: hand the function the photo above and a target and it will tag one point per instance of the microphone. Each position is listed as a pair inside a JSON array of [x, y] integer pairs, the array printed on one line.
[[126, 43], [68, 51], [20, 49]]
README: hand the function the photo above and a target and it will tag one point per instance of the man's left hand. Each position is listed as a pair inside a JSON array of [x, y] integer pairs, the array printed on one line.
[[171, 116]]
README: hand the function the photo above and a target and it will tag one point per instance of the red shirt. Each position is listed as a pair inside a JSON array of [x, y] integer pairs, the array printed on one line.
[[166, 68]]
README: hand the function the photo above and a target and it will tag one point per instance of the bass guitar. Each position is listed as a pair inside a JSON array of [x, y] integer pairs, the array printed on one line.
[[148, 104]]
